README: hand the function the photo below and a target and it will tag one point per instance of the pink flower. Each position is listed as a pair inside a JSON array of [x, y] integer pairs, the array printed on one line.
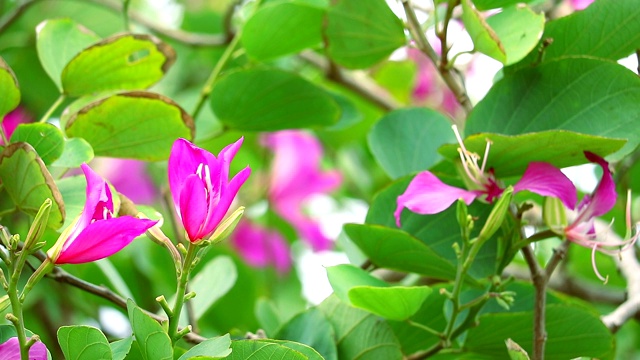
[[129, 177], [295, 177], [428, 89], [200, 186], [580, 4], [10, 350], [261, 247], [426, 194], [12, 120], [582, 231], [96, 234]]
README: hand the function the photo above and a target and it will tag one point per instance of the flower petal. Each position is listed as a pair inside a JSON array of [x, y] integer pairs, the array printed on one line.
[[260, 247], [10, 350], [193, 207], [605, 195], [184, 160], [104, 238], [547, 180], [426, 194]]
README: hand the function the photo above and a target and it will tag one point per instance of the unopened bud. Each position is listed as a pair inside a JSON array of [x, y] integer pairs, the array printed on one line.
[[496, 217], [516, 352], [38, 226], [227, 226], [554, 214], [4, 303]]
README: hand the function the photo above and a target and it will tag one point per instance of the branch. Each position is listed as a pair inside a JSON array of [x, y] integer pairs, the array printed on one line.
[[423, 45], [361, 85], [539, 279]]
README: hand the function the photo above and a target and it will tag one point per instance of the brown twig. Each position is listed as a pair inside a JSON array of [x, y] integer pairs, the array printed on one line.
[[445, 71], [539, 279]]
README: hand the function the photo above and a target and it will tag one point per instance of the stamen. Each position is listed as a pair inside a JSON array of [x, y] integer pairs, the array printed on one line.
[[467, 170], [459, 138], [486, 155], [199, 170], [595, 267], [628, 213]]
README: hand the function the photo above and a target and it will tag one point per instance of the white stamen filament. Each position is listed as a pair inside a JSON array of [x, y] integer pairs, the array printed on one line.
[[470, 160], [486, 155]]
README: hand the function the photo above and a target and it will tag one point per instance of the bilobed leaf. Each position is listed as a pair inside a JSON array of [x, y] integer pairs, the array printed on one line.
[[82, 342], [282, 28], [406, 141], [397, 250], [311, 328], [120, 62], [153, 340], [214, 348], [584, 95], [485, 40], [572, 332], [510, 155], [268, 100], [28, 182], [136, 124], [262, 350], [394, 303], [76, 151], [121, 348], [46, 139], [359, 334], [360, 34], [9, 89], [519, 30], [55, 54], [605, 29]]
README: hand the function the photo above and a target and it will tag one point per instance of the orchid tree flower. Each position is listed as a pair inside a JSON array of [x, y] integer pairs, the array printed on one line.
[[10, 350], [11, 121], [295, 177], [129, 177], [582, 230], [96, 234], [261, 247], [426, 194], [200, 186], [580, 4]]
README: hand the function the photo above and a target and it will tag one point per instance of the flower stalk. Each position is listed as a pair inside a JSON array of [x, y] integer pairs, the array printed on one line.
[[181, 296]]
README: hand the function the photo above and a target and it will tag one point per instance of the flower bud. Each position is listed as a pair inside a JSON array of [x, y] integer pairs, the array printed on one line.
[[516, 352], [496, 217], [38, 226], [227, 226], [554, 215]]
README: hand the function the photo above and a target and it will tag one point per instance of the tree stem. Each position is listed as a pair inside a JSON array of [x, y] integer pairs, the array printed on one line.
[[174, 317]]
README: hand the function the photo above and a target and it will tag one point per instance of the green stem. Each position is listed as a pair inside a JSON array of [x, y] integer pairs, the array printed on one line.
[[425, 328], [457, 289], [174, 317], [53, 108], [40, 272], [125, 14], [17, 319], [208, 86]]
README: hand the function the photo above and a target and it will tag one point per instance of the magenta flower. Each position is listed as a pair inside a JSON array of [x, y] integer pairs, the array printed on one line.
[[96, 234], [261, 247], [200, 186], [426, 194], [129, 177], [12, 120], [582, 231], [295, 177], [10, 350], [580, 4]]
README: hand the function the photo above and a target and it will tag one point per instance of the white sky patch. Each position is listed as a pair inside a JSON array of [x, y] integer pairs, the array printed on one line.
[[630, 62], [114, 322], [583, 177], [311, 268]]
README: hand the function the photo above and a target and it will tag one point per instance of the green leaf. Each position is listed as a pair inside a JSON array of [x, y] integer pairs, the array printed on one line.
[[282, 28], [494, 4], [136, 124], [582, 95], [76, 151], [394, 303], [73, 190], [516, 352], [605, 29], [120, 62], [121, 348], [510, 155], [306, 350], [268, 316], [359, 334], [46, 139], [9, 89], [267, 100], [313, 329], [82, 342], [217, 347], [572, 332], [485, 40], [362, 33], [262, 350], [397, 250], [406, 141], [344, 277], [153, 340], [519, 30], [211, 283], [52, 55], [28, 182]]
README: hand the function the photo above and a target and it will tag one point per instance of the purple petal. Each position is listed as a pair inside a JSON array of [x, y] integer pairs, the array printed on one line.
[[104, 238], [547, 180], [604, 197], [11, 121], [260, 247], [10, 350], [426, 194], [193, 207]]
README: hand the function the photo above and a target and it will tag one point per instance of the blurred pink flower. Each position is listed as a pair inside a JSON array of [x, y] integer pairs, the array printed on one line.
[[200, 186], [129, 177], [11, 121], [96, 234], [261, 247], [295, 177], [428, 88], [10, 350], [580, 4]]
